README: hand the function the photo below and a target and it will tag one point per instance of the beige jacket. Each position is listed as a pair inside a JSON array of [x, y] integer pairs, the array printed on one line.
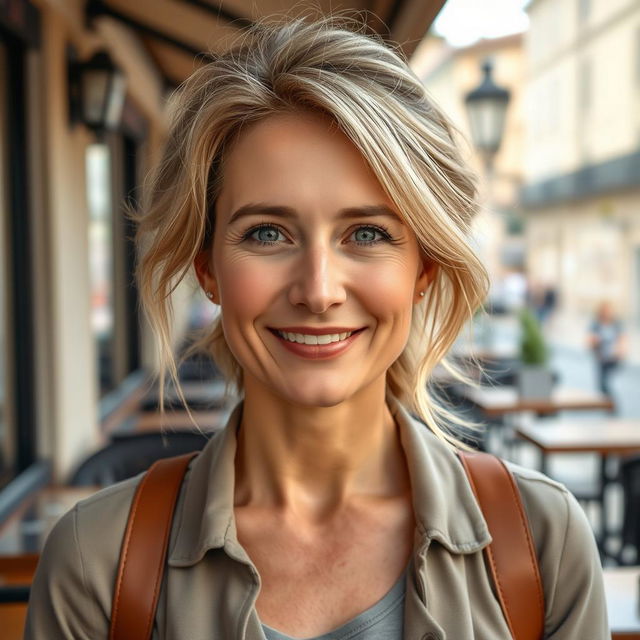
[[211, 584]]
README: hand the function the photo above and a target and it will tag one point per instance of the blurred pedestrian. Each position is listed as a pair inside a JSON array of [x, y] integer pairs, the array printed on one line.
[[542, 298], [608, 341]]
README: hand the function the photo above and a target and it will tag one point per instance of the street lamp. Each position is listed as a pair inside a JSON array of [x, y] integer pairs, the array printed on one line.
[[487, 106], [97, 92]]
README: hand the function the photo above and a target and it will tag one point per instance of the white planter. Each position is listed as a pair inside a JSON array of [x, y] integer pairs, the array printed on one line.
[[534, 382]]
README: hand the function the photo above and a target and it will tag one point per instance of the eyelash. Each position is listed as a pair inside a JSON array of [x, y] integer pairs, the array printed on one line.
[[263, 243]]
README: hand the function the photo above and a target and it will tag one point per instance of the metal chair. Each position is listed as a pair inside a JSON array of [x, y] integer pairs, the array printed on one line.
[[130, 454], [630, 478], [10, 594]]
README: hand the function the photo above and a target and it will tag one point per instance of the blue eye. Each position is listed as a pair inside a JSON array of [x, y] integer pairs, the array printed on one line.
[[267, 235], [368, 235]]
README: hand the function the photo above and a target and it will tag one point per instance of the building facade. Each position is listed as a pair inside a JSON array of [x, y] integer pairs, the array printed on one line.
[[582, 156], [449, 74]]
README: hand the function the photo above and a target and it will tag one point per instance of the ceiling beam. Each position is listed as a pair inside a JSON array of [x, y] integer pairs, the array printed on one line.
[[394, 12], [96, 8], [409, 21], [220, 12]]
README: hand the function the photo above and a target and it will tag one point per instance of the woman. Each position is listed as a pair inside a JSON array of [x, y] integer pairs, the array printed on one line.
[[319, 195]]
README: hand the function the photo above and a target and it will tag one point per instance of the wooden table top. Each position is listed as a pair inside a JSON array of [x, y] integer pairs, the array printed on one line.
[[179, 420], [485, 353], [622, 590], [498, 401], [604, 436]]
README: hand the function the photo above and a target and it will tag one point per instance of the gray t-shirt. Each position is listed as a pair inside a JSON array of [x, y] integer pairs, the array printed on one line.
[[383, 621]]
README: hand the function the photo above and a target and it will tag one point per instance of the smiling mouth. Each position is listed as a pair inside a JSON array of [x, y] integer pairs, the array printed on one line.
[[305, 338]]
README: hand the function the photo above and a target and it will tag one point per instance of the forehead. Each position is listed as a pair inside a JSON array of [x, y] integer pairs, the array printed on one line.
[[286, 128], [298, 159]]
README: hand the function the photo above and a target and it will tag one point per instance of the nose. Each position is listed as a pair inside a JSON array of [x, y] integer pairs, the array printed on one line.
[[318, 281]]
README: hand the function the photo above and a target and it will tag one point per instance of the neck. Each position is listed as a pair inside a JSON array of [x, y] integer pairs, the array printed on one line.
[[314, 461]]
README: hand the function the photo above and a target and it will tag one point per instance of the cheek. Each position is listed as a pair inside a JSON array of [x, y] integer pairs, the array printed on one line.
[[245, 290], [388, 290]]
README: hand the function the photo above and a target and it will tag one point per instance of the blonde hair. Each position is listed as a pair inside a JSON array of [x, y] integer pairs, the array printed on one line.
[[332, 66]]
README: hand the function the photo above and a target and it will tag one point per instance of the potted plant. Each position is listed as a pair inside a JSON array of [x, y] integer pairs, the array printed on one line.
[[534, 379]]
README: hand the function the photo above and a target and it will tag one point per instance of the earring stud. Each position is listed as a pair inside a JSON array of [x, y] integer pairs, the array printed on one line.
[[209, 295], [422, 294]]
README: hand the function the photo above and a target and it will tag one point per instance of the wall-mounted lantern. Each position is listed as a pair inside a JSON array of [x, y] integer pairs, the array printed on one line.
[[97, 90], [486, 107]]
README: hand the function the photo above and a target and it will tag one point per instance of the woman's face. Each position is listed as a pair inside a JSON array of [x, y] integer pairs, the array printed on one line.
[[307, 242]]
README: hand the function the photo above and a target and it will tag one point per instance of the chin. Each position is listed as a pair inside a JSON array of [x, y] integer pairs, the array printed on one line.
[[315, 395]]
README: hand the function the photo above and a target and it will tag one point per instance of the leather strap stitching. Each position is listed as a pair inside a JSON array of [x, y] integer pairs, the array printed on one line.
[[125, 552], [160, 568], [523, 523], [165, 475], [483, 470], [491, 559]]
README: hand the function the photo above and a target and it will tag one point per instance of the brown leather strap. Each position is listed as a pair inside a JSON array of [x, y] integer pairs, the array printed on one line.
[[144, 549], [511, 555]]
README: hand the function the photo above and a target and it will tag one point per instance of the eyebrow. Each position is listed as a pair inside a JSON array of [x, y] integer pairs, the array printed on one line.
[[281, 211]]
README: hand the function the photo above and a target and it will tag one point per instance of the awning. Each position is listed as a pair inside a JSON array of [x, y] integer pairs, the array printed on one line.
[[176, 33]]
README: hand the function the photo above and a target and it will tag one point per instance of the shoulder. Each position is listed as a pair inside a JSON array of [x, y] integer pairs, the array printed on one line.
[[555, 516], [568, 557], [544, 499], [108, 507], [72, 588], [95, 526], [98, 524]]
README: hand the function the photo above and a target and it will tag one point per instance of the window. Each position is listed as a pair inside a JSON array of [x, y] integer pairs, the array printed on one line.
[[111, 182], [7, 426], [17, 380], [99, 205], [584, 9], [131, 153], [584, 85], [637, 57]]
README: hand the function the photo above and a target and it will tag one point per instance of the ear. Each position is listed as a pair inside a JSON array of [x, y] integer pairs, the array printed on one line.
[[427, 272], [204, 272]]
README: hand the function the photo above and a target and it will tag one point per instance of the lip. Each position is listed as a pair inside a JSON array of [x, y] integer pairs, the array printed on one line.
[[316, 331], [319, 351]]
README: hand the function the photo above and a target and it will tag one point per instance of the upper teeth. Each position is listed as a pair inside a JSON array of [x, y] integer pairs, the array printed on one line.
[[307, 339]]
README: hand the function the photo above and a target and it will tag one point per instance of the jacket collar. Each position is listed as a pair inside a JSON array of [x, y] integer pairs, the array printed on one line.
[[444, 505]]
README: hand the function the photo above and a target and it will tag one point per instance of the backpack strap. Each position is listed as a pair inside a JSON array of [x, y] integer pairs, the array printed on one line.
[[511, 555], [144, 549]]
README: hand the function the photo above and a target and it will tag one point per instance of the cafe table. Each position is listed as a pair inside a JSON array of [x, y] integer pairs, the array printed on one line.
[[496, 402], [622, 590], [503, 407], [608, 437]]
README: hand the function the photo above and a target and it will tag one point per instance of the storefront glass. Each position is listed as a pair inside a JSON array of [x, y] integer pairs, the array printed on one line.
[[7, 444], [99, 201]]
